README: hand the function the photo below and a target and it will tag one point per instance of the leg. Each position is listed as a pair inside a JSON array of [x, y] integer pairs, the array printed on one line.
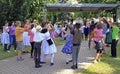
[[52, 59], [5, 47], [32, 48]]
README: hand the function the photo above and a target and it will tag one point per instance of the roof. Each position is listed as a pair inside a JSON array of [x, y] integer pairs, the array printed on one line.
[[79, 7]]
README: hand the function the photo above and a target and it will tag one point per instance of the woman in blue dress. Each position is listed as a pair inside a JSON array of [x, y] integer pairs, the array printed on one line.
[[67, 49]]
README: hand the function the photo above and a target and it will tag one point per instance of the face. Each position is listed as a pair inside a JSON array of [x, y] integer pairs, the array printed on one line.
[[6, 24], [13, 23]]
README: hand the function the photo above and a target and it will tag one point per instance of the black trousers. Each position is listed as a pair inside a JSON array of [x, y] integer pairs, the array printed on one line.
[[113, 48], [32, 48], [37, 53]]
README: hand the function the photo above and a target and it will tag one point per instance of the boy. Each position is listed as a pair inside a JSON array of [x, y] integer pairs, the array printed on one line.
[[19, 38], [76, 45]]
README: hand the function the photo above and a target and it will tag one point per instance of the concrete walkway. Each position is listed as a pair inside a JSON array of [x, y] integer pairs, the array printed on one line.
[[12, 66]]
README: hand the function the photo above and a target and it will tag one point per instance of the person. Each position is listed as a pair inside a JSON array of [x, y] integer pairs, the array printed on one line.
[[19, 38], [31, 34], [115, 37], [38, 38], [91, 34], [108, 39], [67, 49], [99, 41], [5, 37], [26, 37], [12, 28], [48, 45], [76, 45]]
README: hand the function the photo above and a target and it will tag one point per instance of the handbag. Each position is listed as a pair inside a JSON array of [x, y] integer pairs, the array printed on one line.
[[50, 42]]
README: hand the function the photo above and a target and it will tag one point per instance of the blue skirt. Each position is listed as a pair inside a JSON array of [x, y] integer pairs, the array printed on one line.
[[67, 47]]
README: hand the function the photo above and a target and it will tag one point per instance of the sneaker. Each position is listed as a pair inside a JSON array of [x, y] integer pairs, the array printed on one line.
[[95, 61], [20, 59], [52, 64], [70, 60], [73, 67], [8, 51], [14, 50], [38, 66], [67, 63]]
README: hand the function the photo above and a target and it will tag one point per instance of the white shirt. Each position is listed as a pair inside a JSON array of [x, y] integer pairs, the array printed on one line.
[[38, 37]]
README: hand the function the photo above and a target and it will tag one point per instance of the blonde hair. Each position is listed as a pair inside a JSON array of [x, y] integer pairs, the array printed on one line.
[[18, 23]]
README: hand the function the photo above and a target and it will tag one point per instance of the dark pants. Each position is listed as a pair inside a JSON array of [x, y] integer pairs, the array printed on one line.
[[5, 47], [32, 48], [75, 53], [113, 48], [37, 53]]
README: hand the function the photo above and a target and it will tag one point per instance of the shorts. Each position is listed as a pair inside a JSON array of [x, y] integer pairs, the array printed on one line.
[[20, 45]]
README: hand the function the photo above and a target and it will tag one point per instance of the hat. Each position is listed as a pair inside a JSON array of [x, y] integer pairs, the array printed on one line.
[[38, 28]]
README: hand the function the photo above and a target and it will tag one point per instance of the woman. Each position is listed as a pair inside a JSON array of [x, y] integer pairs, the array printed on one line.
[[115, 37], [12, 36], [48, 45]]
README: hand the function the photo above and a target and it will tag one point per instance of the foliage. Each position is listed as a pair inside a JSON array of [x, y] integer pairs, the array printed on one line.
[[107, 65]]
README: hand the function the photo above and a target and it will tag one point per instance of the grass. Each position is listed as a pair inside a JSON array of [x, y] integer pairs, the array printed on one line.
[[107, 65], [4, 55]]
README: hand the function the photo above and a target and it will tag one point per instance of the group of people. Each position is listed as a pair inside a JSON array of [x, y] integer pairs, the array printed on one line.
[[41, 39]]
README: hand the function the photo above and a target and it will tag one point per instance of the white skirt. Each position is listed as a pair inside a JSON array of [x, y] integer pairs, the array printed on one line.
[[5, 38], [48, 49], [26, 39]]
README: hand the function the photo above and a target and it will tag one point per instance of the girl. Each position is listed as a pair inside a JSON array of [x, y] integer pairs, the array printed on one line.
[[67, 49], [12, 36], [26, 37], [5, 36], [98, 39], [48, 45], [31, 34]]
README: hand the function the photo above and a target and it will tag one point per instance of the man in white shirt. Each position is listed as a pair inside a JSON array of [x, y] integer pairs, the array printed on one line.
[[38, 37]]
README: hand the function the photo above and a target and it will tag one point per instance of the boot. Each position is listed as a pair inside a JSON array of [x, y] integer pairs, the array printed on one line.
[[37, 63]]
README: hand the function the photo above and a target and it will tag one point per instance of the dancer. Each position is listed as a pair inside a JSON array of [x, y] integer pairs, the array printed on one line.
[[48, 45], [67, 49]]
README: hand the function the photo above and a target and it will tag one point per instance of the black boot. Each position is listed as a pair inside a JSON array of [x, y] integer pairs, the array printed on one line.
[[73, 67], [37, 63]]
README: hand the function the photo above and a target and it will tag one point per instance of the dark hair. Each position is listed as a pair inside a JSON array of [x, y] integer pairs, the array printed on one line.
[[98, 26], [32, 26], [43, 24], [77, 25], [10, 24]]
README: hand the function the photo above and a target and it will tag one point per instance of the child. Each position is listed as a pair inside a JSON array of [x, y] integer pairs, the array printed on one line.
[[76, 45], [67, 49], [19, 38], [98, 39], [5, 36]]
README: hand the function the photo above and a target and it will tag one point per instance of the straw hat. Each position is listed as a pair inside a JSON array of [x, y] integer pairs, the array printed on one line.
[[38, 28]]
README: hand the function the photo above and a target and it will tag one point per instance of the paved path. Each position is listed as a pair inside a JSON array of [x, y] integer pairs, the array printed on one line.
[[11, 66]]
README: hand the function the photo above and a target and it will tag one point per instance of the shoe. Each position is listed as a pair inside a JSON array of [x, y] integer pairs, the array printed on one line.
[[67, 63], [70, 60], [20, 59], [8, 51], [38, 66], [42, 62], [98, 60], [73, 67], [95, 61], [14, 50], [52, 64]]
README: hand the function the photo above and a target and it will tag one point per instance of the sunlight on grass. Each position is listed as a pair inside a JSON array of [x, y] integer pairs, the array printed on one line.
[[107, 65]]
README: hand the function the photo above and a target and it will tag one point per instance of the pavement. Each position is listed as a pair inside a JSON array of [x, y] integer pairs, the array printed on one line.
[[12, 66]]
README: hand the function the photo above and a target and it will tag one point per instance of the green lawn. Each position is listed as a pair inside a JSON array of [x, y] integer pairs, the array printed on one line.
[[4, 55], [107, 65]]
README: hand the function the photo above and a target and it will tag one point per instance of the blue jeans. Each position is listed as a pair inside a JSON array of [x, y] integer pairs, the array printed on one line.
[[75, 54], [12, 42]]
